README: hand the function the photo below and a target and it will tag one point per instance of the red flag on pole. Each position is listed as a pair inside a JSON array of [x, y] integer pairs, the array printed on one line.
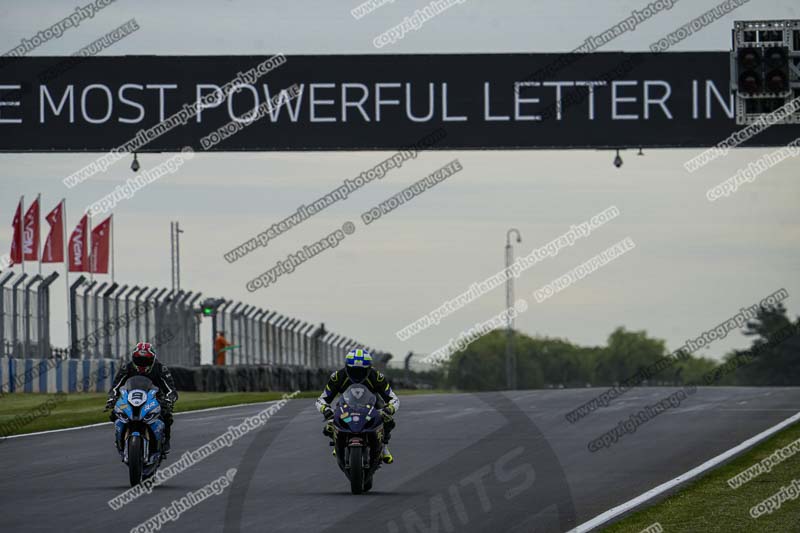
[[16, 237], [101, 246], [78, 250], [30, 233], [53, 251]]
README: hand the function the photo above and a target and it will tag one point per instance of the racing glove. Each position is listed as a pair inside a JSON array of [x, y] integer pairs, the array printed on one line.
[[386, 413], [110, 402], [326, 411]]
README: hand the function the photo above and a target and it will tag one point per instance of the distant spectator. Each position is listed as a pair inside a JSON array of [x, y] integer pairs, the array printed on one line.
[[220, 344]]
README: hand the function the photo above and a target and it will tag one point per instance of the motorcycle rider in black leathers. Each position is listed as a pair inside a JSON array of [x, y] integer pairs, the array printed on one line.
[[358, 369], [144, 363]]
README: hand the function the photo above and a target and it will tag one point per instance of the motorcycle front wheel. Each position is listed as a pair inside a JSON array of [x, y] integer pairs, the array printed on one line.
[[135, 460], [356, 470]]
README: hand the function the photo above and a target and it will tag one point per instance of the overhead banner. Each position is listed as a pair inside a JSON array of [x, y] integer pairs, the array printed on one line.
[[370, 102]]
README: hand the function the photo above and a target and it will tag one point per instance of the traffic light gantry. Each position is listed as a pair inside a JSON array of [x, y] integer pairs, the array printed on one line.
[[765, 68]]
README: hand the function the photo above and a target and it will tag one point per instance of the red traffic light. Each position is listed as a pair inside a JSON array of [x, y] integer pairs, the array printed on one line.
[[749, 82], [749, 58], [776, 57], [777, 82]]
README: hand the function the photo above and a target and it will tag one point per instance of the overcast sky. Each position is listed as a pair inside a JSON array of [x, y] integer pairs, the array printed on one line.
[[695, 262]]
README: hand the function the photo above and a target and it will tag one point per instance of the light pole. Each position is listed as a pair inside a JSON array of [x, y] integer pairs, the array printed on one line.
[[175, 253], [511, 381]]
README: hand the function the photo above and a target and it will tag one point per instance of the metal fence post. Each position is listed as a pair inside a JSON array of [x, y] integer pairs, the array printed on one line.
[[121, 320], [94, 351], [193, 319], [224, 325], [278, 338], [221, 310], [263, 349], [289, 342], [258, 333], [138, 314], [43, 328], [308, 346], [15, 313], [344, 346], [251, 335], [339, 345], [317, 336], [282, 340], [148, 303], [157, 304], [302, 349], [26, 316], [107, 325], [73, 317], [85, 298], [116, 321], [3, 314], [134, 289], [243, 333], [269, 328], [300, 354], [236, 328]]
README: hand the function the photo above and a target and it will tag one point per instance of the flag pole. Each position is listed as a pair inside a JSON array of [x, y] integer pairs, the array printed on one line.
[[64, 248], [38, 230], [89, 244], [113, 243], [22, 232]]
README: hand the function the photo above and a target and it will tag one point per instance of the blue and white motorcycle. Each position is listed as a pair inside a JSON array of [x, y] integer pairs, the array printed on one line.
[[139, 430]]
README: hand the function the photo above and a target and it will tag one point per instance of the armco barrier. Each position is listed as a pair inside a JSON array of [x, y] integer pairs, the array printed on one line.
[[64, 375], [56, 375]]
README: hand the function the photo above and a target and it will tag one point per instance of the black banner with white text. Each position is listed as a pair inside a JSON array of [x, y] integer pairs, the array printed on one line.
[[368, 102]]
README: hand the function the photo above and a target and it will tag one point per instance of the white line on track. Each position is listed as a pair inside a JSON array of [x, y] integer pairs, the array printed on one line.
[[207, 409], [683, 478]]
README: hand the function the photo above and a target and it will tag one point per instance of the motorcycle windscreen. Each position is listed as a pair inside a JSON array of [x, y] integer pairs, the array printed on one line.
[[359, 397], [139, 382]]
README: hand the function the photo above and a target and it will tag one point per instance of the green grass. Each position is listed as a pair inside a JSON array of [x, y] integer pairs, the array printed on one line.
[[710, 505], [82, 409]]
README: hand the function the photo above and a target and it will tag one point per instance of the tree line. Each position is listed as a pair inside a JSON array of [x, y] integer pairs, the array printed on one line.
[[541, 362]]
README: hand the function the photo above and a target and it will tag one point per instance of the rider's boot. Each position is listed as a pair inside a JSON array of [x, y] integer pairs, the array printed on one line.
[[165, 443], [327, 430], [386, 455]]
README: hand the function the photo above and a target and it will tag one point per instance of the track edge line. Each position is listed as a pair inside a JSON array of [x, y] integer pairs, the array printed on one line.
[[631, 504]]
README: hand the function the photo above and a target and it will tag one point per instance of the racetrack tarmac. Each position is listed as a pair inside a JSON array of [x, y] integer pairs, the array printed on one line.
[[497, 462]]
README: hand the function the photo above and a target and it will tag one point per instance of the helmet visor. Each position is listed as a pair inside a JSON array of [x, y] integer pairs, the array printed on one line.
[[357, 374], [144, 362]]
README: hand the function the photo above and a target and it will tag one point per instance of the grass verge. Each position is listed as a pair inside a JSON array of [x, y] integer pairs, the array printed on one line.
[[82, 409], [710, 505]]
